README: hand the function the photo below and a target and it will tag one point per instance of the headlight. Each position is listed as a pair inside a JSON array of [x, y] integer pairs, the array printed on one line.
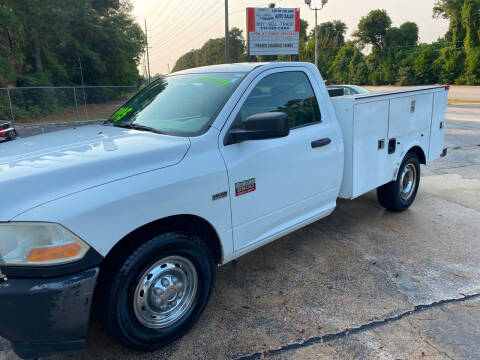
[[35, 243]]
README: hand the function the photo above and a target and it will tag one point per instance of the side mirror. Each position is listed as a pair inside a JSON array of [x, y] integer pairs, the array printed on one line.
[[268, 125]]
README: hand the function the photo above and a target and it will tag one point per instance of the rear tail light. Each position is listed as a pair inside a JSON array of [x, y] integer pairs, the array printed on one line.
[[447, 88], [2, 134]]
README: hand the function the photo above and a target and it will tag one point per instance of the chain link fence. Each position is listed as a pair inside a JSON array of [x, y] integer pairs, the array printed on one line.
[[45, 104]]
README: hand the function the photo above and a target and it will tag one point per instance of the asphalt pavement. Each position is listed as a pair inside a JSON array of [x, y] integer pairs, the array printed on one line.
[[362, 283]]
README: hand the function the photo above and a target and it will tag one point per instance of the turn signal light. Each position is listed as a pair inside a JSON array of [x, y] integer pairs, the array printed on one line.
[[54, 252]]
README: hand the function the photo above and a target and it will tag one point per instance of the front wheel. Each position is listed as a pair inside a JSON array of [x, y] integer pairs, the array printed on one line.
[[398, 195], [159, 292]]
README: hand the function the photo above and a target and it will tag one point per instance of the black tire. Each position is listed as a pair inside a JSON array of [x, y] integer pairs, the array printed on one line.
[[12, 135], [119, 291], [391, 196]]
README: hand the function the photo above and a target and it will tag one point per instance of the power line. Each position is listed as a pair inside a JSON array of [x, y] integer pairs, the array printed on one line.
[[187, 24], [179, 32], [156, 51], [191, 40], [166, 24], [186, 19], [148, 57], [200, 17], [163, 10]]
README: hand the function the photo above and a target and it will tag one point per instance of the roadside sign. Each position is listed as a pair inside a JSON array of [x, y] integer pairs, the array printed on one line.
[[273, 31]]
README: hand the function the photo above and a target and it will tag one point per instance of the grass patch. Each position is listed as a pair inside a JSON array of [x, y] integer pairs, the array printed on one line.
[[94, 111], [461, 101]]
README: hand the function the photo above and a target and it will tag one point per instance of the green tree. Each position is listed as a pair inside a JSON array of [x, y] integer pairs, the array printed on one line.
[[459, 60], [452, 10], [349, 66], [450, 65], [471, 23], [41, 43], [404, 36], [52, 35], [423, 68], [186, 61], [331, 37], [213, 52], [11, 34], [372, 29]]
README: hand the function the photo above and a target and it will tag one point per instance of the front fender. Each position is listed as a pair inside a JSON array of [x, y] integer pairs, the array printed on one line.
[[104, 215]]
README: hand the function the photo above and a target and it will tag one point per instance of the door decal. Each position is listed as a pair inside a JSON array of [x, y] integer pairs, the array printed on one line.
[[245, 186], [220, 195]]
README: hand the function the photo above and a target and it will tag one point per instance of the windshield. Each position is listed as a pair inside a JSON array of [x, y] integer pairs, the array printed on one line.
[[181, 105]]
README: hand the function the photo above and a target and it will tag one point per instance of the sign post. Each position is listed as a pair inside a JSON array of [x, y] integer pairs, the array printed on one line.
[[273, 31]]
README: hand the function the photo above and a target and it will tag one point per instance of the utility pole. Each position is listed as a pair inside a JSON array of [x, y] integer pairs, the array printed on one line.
[[227, 40], [144, 65], [148, 57], [316, 38], [309, 3]]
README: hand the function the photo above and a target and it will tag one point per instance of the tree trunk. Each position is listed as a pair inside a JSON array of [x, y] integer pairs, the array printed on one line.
[[6, 36], [36, 54]]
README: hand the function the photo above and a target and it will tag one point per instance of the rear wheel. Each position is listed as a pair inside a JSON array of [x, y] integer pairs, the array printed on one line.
[[159, 292], [398, 195]]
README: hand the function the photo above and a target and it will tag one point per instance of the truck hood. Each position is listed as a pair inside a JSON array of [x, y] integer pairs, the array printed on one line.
[[46, 167]]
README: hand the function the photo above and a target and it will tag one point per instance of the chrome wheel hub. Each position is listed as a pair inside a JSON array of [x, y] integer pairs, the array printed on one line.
[[408, 181], [165, 292]]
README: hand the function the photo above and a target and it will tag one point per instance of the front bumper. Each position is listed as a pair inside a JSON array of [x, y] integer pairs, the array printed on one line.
[[42, 317]]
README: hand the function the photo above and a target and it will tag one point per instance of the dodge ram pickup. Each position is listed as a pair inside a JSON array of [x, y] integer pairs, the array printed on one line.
[[197, 169]]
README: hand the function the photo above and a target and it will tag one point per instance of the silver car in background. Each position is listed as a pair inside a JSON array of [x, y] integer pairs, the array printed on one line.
[[346, 89]]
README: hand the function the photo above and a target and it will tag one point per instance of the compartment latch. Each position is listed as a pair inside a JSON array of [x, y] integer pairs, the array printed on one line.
[[392, 145]]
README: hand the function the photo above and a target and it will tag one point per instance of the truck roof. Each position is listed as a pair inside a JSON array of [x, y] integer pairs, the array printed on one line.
[[237, 67]]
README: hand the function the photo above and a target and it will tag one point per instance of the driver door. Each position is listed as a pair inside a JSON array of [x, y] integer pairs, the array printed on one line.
[[277, 185]]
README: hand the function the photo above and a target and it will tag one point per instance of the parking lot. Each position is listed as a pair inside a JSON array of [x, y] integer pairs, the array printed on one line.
[[361, 283]]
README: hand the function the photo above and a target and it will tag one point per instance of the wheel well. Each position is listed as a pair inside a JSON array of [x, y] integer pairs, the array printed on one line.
[[419, 152], [185, 224]]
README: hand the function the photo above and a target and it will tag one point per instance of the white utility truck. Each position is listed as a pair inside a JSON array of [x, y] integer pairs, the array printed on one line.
[[197, 169]]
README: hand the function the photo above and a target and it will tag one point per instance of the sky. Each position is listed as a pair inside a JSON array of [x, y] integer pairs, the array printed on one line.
[[177, 26]]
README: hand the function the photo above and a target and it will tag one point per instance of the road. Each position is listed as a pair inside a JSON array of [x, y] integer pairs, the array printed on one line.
[[362, 283]]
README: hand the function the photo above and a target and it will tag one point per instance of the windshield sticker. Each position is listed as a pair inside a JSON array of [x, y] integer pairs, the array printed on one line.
[[121, 113], [213, 80]]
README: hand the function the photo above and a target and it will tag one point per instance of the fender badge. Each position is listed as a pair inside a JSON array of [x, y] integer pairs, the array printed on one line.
[[219, 195], [245, 186]]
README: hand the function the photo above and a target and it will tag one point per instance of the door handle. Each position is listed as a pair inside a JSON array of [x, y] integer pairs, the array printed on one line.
[[321, 142]]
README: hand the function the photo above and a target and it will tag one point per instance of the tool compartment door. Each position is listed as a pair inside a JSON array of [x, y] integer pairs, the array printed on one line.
[[369, 159], [409, 114]]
